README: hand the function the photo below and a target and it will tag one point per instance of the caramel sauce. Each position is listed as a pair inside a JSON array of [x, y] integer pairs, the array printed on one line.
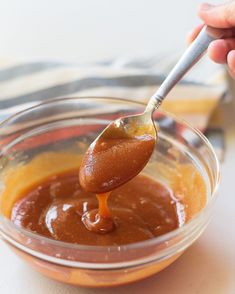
[[44, 196], [58, 208], [100, 220], [114, 159]]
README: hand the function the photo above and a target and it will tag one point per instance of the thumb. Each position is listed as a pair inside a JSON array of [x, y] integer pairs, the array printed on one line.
[[219, 16]]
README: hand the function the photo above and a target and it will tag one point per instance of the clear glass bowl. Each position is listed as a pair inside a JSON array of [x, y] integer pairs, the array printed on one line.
[[69, 125]]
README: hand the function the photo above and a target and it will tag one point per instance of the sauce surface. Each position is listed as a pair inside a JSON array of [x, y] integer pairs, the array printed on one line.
[[113, 159], [58, 208]]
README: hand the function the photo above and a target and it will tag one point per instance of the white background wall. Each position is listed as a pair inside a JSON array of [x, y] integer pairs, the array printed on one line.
[[88, 30]]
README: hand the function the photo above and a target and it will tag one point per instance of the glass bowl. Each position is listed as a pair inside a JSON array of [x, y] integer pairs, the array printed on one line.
[[65, 127]]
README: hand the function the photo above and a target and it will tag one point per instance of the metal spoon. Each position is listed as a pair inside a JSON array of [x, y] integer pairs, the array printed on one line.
[[105, 175]]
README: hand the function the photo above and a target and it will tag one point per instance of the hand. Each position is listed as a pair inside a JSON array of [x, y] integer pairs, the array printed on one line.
[[220, 16]]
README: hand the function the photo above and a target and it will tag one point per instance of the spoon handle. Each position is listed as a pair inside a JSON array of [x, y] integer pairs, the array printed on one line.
[[193, 53]]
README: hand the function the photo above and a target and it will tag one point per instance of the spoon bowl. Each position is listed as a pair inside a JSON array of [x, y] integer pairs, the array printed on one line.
[[118, 154]]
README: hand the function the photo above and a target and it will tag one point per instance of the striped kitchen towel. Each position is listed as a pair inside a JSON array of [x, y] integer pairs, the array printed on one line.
[[24, 84]]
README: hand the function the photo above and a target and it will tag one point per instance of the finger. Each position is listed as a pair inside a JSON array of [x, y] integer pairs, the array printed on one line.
[[231, 63], [219, 49], [219, 16], [194, 33], [227, 33]]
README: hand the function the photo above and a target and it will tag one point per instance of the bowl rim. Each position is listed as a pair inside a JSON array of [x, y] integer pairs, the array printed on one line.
[[192, 224]]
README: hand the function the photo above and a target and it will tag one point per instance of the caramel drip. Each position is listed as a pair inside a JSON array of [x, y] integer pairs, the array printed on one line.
[[103, 209]]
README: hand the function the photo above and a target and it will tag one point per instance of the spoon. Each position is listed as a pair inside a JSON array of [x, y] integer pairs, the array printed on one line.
[[122, 150]]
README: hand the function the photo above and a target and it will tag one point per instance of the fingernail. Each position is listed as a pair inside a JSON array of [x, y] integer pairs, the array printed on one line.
[[231, 60], [206, 6]]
